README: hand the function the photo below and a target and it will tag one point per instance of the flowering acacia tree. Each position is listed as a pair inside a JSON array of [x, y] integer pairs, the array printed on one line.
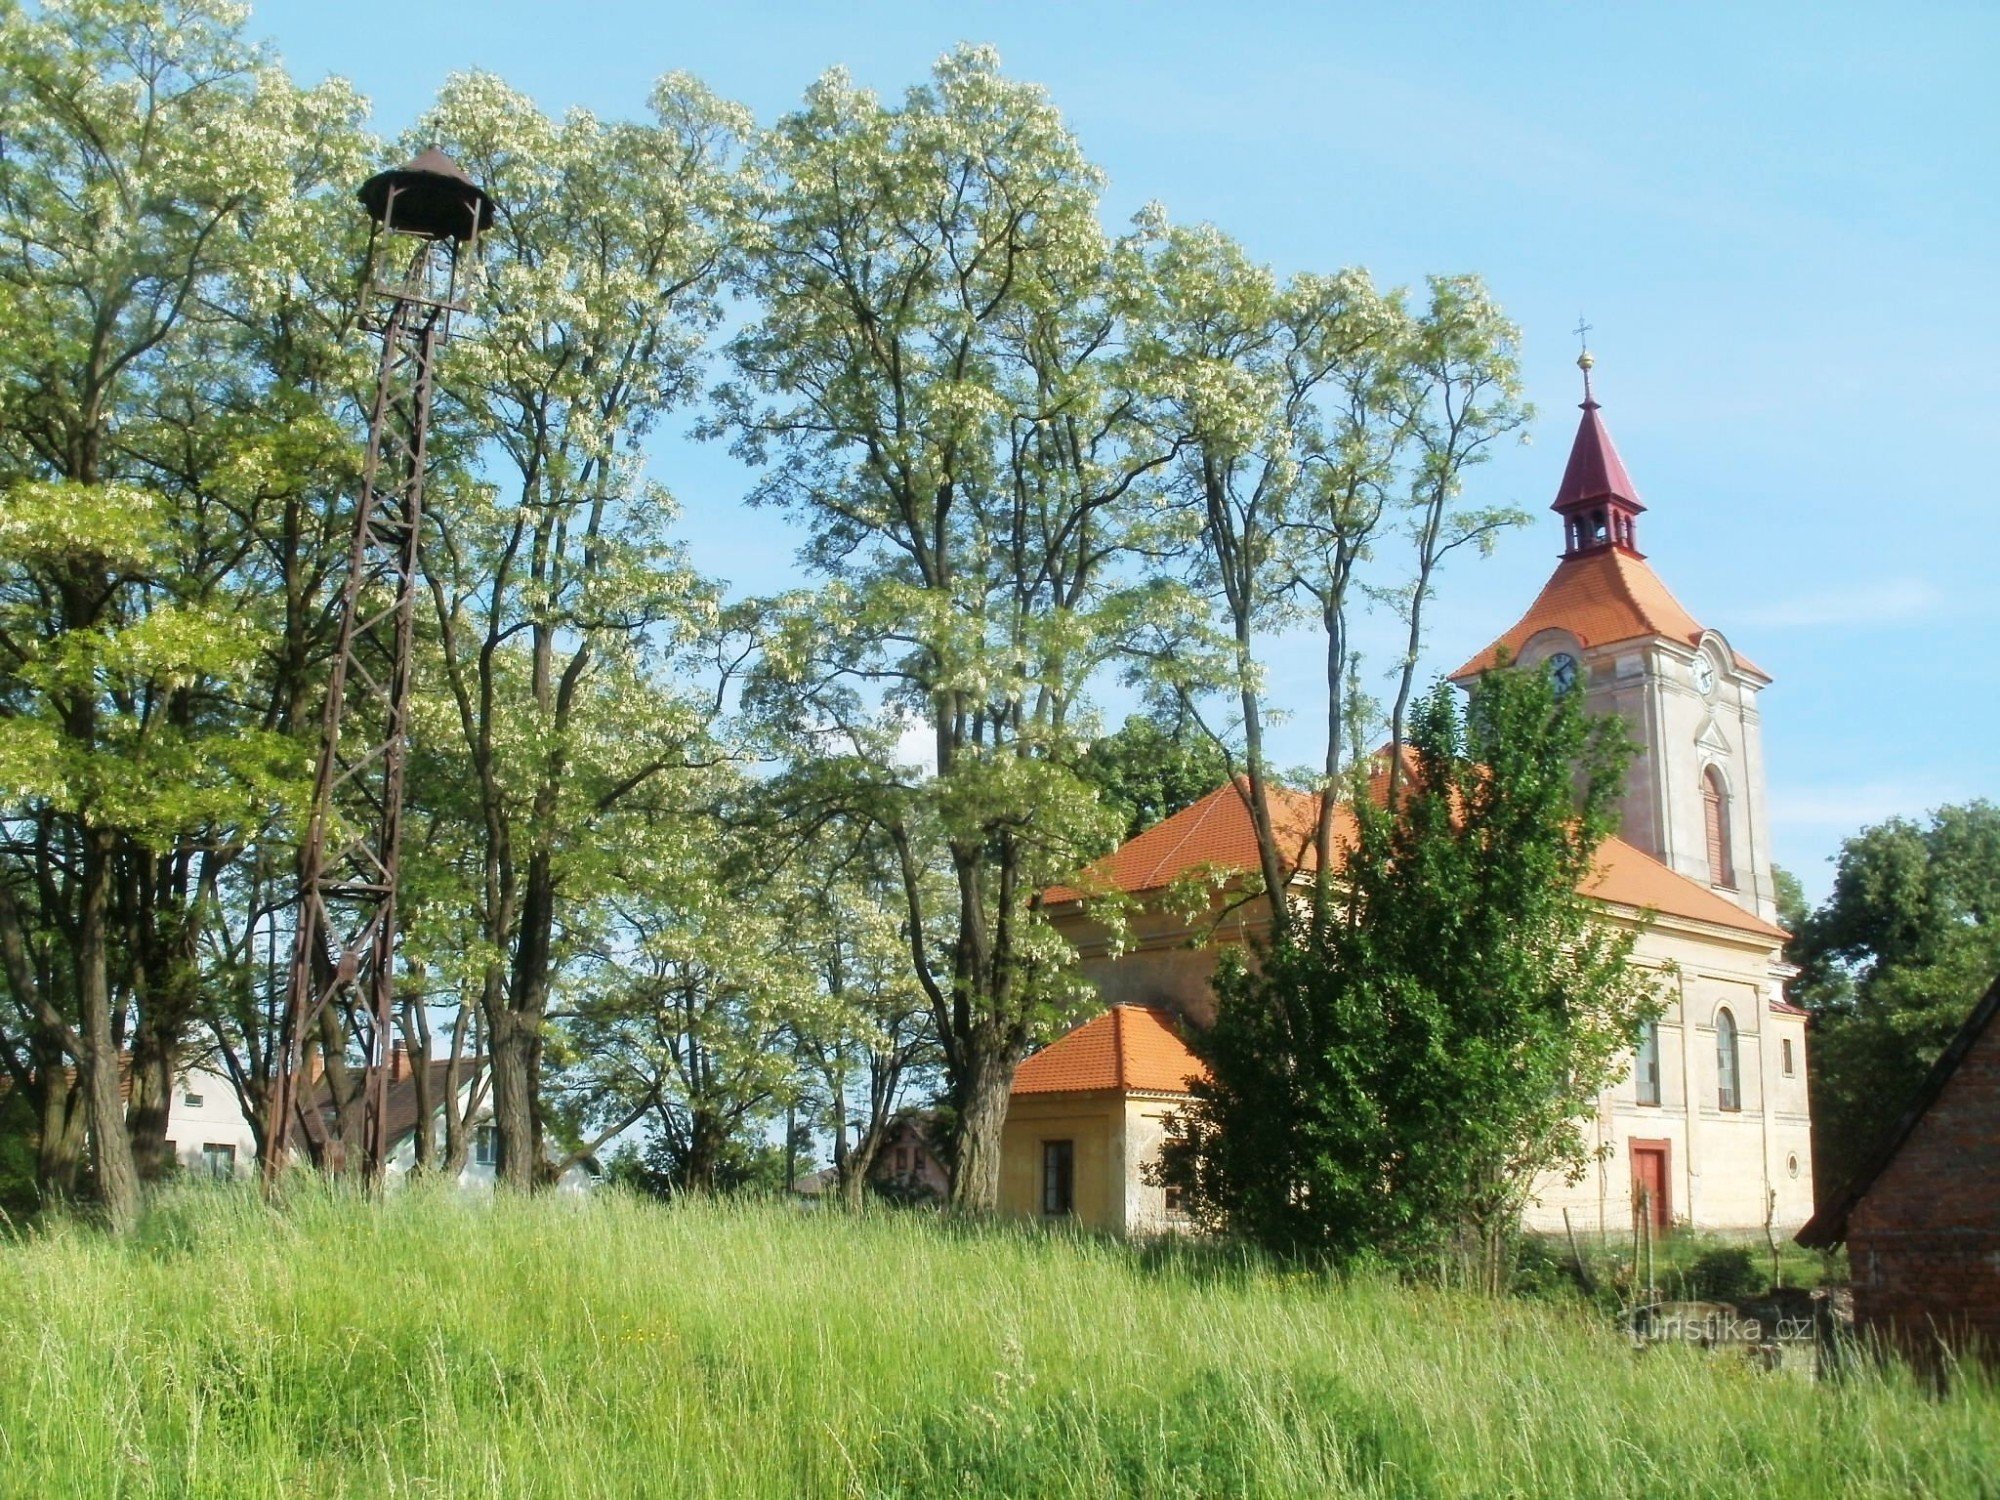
[[936, 382]]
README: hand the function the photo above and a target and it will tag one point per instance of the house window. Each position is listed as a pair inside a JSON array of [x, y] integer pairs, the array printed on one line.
[[902, 1161], [191, 1100], [219, 1160], [1728, 1089], [1646, 1064], [485, 1146], [1174, 1200], [1058, 1177], [1785, 1055], [1715, 814]]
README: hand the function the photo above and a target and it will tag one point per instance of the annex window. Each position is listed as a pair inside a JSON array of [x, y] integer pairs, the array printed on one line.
[[219, 1159], [1715, 815], [486, 1146], [1646, 1064], [1728, 1085], [191, 1100], [1175, 1202], [902, 1160], [1785, 1056], [1058, 1177]]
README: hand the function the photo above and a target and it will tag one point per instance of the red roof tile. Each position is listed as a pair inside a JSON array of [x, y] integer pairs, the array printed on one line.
[[1216, 834], [1128, 1049], [1601, 598]]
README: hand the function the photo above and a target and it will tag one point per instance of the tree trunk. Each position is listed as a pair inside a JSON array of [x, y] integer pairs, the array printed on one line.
[[982, 1104], [517, 1033], [111, 1148], [60, 1145], [513, 1067], [153, 1054]]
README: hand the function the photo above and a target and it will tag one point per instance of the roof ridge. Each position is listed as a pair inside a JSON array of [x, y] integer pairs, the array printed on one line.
[[1202, 810]]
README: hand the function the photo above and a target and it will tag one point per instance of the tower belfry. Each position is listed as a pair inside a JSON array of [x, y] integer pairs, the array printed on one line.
[[1607, 625], [1597, 500], [429, 217]]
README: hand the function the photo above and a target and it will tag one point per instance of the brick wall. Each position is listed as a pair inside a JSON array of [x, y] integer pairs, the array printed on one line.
[[1924, 1244]]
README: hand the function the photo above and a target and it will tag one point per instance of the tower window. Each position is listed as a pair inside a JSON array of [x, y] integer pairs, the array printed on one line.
[[1728, 1089], [1715, 814]]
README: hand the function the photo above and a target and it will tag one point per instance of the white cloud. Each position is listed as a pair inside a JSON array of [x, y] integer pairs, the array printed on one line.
[[1885, 603]]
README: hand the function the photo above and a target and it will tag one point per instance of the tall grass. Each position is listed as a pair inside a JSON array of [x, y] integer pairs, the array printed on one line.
[[436, 1347]]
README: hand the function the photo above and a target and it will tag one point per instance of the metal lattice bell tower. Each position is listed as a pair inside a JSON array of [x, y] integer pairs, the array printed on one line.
[[428, 220]]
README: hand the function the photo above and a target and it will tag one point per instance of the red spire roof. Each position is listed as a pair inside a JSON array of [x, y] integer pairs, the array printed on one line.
[[1595, 471]]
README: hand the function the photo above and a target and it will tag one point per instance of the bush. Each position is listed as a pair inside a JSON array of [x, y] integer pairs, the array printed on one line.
[[1726, 1273]]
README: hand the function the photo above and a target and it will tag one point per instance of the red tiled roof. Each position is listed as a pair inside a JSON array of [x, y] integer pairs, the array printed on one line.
[[1601, 598], [1129, 1049], [1213, 834], [1216, 833]]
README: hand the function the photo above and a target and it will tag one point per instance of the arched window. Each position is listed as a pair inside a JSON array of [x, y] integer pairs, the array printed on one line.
[[1715, 814], [1728, 1089]]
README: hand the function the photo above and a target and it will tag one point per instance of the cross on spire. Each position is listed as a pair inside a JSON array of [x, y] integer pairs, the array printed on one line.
[[1583, 359]]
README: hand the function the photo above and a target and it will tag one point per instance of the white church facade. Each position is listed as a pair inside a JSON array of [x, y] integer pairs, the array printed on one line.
[[1709, 1127]]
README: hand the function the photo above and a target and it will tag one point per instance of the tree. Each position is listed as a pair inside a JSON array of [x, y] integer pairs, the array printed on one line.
[[144, 153], [1396, 1080], [934, 380], [1150, 769], [1312, 419], [1891, 963], [561, 609]]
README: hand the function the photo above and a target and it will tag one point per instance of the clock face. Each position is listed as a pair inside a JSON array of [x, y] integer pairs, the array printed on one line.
[[1704, 676], [1562, 668]]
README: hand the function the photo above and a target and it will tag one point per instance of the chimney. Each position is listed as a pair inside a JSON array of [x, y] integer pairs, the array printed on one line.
[[399, 1062]]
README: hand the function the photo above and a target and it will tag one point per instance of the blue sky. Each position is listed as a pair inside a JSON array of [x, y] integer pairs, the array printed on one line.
[[1780, 220]]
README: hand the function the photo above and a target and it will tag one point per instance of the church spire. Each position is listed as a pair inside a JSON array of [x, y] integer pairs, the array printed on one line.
[[1597, 500]]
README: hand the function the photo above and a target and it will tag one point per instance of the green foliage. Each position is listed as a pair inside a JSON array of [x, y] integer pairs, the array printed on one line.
[[1725, 1273], [1149, 770], [620, 1347], [1891, 964], [1395, 1081]]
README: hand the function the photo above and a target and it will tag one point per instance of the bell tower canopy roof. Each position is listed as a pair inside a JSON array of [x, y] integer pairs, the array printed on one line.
[[1595, 470], [1597, 500]]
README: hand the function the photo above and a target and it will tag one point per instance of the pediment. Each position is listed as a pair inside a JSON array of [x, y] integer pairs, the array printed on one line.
[[1712, 738]]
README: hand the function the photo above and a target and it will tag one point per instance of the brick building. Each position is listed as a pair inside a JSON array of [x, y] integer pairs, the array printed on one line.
[[1922, 1224]]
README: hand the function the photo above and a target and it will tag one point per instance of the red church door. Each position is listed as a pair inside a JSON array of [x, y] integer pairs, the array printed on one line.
[[1650, 1177]]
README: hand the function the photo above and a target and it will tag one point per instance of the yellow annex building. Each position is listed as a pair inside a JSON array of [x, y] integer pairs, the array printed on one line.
[[1710, 1121]]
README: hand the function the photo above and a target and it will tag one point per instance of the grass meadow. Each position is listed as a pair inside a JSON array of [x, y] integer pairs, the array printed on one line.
[[438, 1347]]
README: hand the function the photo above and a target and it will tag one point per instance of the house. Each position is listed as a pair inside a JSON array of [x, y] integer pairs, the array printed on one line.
[[1710, 1125], [908, 1166], [482, 1163], [206, 1130], [1922, 1222], [1088, 1115]]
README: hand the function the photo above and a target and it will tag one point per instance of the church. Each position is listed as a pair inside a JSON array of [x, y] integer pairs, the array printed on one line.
[[1708, 1127]]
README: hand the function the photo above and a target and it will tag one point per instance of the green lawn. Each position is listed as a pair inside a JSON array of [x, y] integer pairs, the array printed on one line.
[[615, 1347]]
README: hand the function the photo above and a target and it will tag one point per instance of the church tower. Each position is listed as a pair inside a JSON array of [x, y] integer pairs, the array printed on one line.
[[1694, 797]]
